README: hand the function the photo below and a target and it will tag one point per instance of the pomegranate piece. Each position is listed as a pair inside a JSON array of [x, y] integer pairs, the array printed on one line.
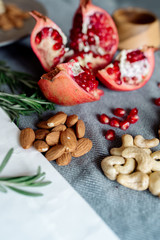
[[124, 125], [94, 34], [70, 84], [104, 119], [131, 70], [114, 122], [47, 41], [119, 112], [110, 135], [157, 101]]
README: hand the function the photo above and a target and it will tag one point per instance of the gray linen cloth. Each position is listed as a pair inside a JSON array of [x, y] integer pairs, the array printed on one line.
[[130, 214]]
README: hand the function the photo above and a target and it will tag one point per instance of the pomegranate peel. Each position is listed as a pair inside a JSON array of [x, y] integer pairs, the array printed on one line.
[[47, 41], [112, 77], [60, 86]]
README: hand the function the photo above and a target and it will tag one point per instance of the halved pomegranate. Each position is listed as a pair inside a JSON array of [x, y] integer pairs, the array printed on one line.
[[94, 36], [131, 70], [48, 41], [70, 84]]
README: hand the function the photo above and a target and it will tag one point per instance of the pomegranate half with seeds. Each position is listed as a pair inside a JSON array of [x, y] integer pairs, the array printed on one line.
[[70, 84], [48, 41], [131, 70], [94, 36]]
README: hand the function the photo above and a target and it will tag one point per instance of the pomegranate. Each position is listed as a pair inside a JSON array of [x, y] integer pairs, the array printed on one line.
[[157, 101], [70, 84], [48, 41], [94, 36], [131, 70]]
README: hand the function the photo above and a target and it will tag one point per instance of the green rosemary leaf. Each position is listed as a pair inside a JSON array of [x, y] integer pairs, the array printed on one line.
[[2, 189], [32, 194], [6, 159], [39, 184]]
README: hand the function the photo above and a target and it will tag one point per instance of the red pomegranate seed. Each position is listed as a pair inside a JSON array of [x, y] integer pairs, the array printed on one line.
[[110, 135], [38, 38], [135, 56], [57, 46], [119, 112], [158, 85], [114, 122], [133, 118], [104, 119], [110, 71], [124, 125], [157, 101], [133, 112]]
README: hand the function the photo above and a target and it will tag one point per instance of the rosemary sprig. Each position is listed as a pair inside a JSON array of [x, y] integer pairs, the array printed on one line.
[[16, 79], [15, 105], [16, 183]]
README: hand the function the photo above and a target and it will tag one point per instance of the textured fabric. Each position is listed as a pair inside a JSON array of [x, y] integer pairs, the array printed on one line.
[[130, 214]]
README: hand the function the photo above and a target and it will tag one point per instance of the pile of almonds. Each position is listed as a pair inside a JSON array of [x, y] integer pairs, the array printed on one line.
[[61, 137]]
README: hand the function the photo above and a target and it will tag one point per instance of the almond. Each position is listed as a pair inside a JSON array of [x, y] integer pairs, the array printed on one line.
[[41, 146], [59, 128], [27, 137], [43, 124], [84, 146], [52, 138], [55, 152], [58, 118], [41, 133], [64, 160], [71, 120], [69, 140], [80, 129]]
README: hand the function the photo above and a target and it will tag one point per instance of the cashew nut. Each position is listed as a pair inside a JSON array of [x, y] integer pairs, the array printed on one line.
[[127, 168], [147, 150], [156, 164], [154, 183], [107, 165], [143, 159], [139, 141], [127, 141], [137, 180]]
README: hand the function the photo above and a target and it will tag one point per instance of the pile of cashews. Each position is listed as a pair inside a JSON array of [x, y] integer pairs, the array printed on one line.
[[134, 165]]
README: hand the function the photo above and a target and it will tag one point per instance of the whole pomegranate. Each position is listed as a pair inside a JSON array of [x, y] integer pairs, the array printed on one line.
[[70, 84], [131, 70], [94, 36]]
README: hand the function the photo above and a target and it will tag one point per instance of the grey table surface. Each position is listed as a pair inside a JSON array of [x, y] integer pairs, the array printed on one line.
[[130, 214]]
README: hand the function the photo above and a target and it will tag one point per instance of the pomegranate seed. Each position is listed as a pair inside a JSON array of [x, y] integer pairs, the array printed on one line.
[[57, 46], [124, 125], [133, 118], [135, 56], [157, 101], [38, 38], [158, 85], [133, 112], [110, 71], [119, 112], [114, 122], [110, 135], [104, 119]]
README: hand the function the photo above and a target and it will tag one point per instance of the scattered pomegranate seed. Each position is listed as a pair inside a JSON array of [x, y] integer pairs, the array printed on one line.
[[157, 101], [119, 112], [110, 135], [104, 119], [133, 118], [158, 85], [133, 112], [114, 122], [124, 125]]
